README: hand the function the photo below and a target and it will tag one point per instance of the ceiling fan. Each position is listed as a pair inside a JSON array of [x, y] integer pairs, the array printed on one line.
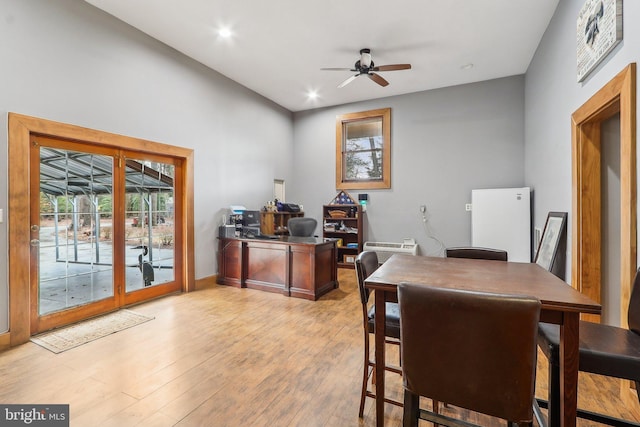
[[365, 66]]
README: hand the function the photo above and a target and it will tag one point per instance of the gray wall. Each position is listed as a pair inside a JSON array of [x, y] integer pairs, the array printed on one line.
[[445, 143], [611, 221], [70, 62], [552, 95]]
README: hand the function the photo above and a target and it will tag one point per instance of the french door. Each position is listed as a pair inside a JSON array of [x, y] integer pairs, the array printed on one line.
[[105, 229]]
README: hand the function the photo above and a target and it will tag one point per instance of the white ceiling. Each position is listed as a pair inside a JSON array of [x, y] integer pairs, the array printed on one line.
[[277, 47]]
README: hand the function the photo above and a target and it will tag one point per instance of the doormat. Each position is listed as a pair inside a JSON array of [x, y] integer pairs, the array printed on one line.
[[69, 337]]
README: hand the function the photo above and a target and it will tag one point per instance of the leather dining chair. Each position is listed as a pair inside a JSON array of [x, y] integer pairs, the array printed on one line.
[[477, 253], [302, 226], [474, 350], [604, 350], [366, 263]]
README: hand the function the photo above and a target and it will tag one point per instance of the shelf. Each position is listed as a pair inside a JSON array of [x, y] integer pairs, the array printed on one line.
[[339, 232], [353, 220], [329, 219], [276, 222]]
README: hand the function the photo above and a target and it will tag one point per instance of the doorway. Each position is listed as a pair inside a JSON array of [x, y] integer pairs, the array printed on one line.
[[278, 189], [95, 220], [618, 97], [109, 224]]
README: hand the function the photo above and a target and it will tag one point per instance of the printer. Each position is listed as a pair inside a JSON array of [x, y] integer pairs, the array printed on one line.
[[289, 207]]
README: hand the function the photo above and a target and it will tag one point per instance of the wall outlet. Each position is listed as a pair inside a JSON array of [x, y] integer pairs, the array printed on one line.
[[467, 207]]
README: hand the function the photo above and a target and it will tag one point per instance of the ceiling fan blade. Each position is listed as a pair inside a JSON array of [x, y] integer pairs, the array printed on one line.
[[349, 80], [338, 69], [392, 67], [378, 79]]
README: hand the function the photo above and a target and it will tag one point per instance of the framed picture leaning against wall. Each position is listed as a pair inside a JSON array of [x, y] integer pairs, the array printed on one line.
[[552, 250]]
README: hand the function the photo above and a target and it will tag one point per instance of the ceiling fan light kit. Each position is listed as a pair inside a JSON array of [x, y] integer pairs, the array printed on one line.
[[366, 66], [365, 58]]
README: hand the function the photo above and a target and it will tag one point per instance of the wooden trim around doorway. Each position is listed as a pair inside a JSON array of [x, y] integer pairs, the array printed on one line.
[[617, 96], [20, 129]]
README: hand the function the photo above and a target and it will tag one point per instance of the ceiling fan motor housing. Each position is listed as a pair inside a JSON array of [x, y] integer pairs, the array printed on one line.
[[361, 68], [365, 58]]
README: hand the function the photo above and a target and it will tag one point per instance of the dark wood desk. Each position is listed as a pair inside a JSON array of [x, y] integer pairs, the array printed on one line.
[[561, 304], [302, 267]]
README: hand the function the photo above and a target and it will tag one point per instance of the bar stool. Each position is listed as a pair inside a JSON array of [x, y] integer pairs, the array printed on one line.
[[474, 350]]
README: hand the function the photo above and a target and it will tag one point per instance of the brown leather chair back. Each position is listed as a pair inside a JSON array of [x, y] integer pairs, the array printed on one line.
[[366, 263], [477, 253], [470, 349]]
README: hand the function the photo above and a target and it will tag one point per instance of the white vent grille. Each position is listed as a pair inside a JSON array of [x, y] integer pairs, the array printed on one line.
[[384, 250]]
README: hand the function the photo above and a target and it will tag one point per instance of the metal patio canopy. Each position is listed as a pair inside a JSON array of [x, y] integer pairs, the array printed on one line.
[[74, 173]]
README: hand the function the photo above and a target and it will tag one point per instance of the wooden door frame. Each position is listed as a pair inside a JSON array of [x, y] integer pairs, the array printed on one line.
[[617, 96], [21, 128]]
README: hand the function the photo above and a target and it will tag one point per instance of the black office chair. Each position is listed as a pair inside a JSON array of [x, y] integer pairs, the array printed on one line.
[[477, 253], [366, 263], [604, 350], [301, 226], [474, 350]]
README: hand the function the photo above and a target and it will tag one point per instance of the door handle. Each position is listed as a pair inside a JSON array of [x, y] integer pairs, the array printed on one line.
[[35, 242]]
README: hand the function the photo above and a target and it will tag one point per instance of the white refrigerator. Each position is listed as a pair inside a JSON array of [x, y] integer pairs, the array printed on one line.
[[501, 219]]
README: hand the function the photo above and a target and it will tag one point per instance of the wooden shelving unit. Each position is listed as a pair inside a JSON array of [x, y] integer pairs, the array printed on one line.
[[344, 222], [275, 223]]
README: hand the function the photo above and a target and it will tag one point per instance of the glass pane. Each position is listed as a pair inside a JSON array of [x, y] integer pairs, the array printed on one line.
[[363, 145], [360, 144], [76, 247], [364, 128], [363, 165], [149, 224]]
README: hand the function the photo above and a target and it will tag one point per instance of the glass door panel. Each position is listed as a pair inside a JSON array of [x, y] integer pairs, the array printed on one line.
[[75, 229], [104, 229], [149, 224]]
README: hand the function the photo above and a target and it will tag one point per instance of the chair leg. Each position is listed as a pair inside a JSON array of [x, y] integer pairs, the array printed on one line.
[[363, 394], [553, 411], [365, 374], [411, 410]]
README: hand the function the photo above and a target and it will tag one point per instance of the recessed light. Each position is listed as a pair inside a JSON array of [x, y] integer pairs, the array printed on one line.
[[225, 32], [466, 66], [312, 94]]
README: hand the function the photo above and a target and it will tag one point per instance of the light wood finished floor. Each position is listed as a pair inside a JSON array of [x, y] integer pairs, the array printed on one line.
[[223, 356]]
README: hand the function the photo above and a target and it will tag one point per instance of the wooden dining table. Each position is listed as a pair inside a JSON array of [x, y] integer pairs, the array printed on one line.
[[561, 304]]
